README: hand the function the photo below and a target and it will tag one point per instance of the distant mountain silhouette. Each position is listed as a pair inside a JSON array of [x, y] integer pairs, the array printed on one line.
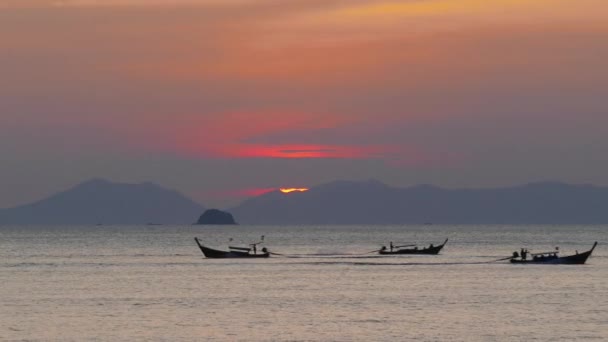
[[100, 201], [372, 202]]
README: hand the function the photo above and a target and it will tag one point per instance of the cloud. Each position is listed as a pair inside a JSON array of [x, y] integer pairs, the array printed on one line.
[[110, 3], [338, 88]]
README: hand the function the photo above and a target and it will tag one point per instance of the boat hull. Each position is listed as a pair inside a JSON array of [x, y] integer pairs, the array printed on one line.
[[217, 254], [576, 259], [428, 251]]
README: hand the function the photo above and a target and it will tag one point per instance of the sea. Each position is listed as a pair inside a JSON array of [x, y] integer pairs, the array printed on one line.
[[325, 283]]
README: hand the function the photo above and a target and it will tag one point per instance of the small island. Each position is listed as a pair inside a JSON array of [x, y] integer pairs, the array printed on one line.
[[215, 216]]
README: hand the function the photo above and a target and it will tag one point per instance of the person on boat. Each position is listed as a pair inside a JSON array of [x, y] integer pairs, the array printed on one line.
[[524, 254], [431, 246], [391, 244], [255, 250]]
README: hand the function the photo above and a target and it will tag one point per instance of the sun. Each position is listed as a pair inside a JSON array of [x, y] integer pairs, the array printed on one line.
[[289, 190]]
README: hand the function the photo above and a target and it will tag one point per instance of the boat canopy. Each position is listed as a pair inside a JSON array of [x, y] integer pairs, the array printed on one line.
[[244, 249], [545, 253]]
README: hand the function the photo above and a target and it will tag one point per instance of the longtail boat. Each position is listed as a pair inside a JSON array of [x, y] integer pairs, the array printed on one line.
[[553, 258], [233, 253], [413, 249]]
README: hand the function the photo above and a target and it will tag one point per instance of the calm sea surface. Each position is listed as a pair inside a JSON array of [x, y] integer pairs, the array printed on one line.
[[110, 283]]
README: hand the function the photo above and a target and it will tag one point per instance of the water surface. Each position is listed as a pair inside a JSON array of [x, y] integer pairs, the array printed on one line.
[[152, 283]]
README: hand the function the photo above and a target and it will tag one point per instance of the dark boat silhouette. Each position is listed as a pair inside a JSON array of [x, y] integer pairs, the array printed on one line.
[[553, 258], [236, 253], [412, 249]]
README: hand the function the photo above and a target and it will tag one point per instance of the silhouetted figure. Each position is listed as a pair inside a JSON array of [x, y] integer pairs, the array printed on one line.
[[255, 250], [392, 246], [524, 254], [383, 248], [515, 255]]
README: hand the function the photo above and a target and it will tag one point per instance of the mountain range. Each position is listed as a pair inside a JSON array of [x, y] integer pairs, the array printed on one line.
[[372, 202], [99, 201], [339, 202]]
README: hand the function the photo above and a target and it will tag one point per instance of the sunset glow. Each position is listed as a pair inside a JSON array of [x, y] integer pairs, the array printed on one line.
[[290, 190], [232, 97], [284, 151], [319, 136], [302, 151]]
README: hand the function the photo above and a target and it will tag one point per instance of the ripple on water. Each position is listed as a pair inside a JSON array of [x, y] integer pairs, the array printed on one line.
[[129, 285]]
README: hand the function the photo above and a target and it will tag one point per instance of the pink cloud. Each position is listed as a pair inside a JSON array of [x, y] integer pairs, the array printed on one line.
[[282, 135]]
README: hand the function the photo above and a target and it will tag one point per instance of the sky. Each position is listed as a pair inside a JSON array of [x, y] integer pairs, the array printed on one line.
[[225, 99]]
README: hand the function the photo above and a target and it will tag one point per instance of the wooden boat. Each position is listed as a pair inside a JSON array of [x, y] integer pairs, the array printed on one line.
[[553, 258], [411, 249], [216, 254]]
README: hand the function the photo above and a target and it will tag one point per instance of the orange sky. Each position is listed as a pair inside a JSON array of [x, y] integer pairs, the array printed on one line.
[[436, 91]]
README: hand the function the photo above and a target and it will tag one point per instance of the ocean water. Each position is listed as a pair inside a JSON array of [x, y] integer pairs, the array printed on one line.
[[151, 283]]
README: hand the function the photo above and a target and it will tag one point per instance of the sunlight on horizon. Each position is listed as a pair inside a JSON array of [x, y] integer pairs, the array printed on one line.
[[290, 190]]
